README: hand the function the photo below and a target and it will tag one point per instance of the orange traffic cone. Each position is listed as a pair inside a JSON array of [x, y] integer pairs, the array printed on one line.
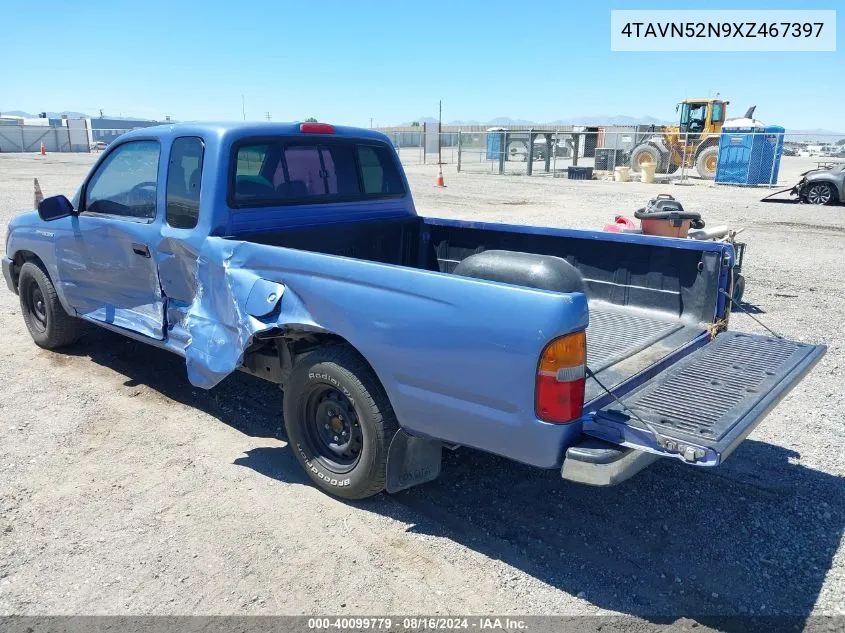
[[38, 195], [43, 149], [439, 182]]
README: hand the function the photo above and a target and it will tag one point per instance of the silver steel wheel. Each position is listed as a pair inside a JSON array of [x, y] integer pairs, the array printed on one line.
[[819, 193]]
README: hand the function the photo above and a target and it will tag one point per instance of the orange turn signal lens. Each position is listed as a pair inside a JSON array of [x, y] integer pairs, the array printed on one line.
[[564, 353]]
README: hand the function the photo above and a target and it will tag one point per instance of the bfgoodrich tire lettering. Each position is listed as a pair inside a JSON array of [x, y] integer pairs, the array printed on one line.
[[339, 422]]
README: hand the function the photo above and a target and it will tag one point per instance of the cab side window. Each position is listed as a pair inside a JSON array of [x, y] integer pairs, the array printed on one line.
[[125, 183], [184, 180]]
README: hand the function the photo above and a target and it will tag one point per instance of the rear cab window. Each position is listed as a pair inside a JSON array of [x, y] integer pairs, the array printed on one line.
[[305, 171]]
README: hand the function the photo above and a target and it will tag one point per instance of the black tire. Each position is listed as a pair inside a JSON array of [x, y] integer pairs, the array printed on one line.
[[738, 289], [819, 193], [707, 161], [648, 153], [333, 391], [48, 323]]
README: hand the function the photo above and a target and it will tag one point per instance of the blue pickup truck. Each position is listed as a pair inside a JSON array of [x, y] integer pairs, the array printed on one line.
[[293, 252]]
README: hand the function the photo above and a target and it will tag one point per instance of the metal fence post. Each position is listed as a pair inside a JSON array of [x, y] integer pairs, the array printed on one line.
[[459, 151], [503, 146], [549, 149], [22, 141], [775, 158], [529, 164]]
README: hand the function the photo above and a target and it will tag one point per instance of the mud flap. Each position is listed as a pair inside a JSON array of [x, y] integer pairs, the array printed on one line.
[[412, 461], [706, 405]]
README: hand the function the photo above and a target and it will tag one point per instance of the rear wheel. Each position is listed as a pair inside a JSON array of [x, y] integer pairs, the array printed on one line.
[[707, 161], [646, 154], [339, 422], [48, 323], [819, 193]]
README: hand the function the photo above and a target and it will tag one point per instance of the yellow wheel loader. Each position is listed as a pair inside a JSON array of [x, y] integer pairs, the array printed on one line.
[[694, 143]]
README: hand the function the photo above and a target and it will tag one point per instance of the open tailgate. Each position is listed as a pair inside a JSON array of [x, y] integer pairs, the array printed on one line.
[[707, 403]]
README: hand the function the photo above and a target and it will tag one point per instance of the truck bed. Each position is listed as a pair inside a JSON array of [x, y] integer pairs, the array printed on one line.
[[624, 340], [646, 300]]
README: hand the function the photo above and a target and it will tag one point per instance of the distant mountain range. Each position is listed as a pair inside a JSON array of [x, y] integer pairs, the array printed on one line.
[[68, 113]]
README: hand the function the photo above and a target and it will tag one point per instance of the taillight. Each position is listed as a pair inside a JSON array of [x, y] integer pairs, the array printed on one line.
[[560, 379], [316, 128]]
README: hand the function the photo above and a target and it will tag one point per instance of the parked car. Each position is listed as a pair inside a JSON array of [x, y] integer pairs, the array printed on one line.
[[822, 186], [293, 252]]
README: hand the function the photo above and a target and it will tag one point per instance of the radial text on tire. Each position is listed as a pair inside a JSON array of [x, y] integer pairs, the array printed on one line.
[[339, 422]]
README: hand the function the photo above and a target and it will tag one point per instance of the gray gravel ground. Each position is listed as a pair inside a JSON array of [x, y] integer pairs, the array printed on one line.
[[123, 489]]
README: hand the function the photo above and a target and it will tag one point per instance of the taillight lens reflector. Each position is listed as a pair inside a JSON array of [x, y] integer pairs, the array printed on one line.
[[559, 395]]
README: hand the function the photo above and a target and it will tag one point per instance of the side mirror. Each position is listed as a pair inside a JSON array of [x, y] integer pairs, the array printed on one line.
[[55, 208]]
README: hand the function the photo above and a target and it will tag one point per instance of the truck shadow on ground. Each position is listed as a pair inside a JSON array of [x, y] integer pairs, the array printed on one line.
[[754, 537]]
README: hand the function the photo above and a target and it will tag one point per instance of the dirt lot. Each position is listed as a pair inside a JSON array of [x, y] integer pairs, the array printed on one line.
[[123, 489]]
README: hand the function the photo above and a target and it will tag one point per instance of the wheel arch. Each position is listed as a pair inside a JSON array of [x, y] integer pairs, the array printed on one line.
[[295, 341], [707, 143], [21, 257]]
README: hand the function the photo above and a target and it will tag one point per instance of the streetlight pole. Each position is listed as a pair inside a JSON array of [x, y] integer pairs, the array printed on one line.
[[439, 130]]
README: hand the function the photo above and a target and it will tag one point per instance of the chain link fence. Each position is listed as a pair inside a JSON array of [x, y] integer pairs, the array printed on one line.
[[75, 137], [736, 156]]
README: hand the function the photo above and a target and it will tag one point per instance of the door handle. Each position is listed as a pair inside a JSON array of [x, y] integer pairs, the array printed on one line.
[[141, 249]]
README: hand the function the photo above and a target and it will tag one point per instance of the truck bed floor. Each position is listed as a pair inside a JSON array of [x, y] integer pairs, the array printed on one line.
[[623, 341]]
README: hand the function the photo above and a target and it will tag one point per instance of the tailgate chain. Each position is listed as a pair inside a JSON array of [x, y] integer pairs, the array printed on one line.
[[755, 319], [689, 453]]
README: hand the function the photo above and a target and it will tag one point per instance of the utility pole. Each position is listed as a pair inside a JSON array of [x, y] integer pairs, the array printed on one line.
[[439, 129], [371, 123], [267, 115], [243, 107]]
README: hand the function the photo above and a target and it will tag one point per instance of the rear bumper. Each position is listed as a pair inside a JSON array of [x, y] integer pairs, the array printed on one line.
[[599, 463], [7, 274]]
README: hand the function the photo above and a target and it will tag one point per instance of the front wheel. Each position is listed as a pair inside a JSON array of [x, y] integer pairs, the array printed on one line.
[[339, 422], [819, 193], [48, 323], [707, 161]]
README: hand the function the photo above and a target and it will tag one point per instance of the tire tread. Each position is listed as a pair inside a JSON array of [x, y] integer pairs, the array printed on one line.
[[347, 362], [62, 329]]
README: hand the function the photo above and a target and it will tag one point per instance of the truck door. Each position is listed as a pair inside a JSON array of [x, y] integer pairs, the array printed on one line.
[[106, 263]]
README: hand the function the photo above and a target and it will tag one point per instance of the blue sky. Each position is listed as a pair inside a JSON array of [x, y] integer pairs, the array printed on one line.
[[347, 62]]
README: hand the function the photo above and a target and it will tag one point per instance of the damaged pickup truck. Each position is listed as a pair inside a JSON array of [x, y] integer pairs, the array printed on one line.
[[293, 252]]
